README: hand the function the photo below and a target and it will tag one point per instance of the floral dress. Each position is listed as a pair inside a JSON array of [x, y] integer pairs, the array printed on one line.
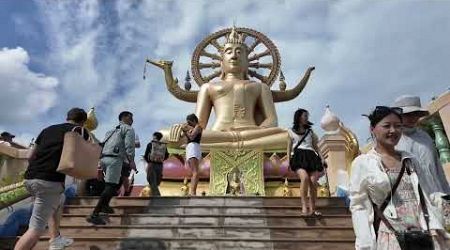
[[407, 206]]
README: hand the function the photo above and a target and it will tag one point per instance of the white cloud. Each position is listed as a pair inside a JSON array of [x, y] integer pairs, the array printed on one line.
[[357, 47], [24, 94]]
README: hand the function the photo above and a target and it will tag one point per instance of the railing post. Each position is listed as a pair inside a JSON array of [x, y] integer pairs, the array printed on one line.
[[441, 139]]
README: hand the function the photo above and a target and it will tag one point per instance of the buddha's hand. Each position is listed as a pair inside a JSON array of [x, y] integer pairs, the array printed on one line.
[[175, 132]]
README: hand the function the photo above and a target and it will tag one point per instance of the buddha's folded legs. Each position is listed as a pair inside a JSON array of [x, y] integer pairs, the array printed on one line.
[[264, 139]]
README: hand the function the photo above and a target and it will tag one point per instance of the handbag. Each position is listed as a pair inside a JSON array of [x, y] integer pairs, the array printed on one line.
[[79, 157], [414, 239]]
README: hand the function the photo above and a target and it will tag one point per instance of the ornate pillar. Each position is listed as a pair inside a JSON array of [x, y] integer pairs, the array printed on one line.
[[333, 149], [441, 106], [441, 139], [339, 147], [439, 109]]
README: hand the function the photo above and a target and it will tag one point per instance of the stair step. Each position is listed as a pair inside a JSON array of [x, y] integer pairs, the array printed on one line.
[[127, 243], [232, 232], [214, 220], [206, 200], [200, 244], [210, 210], [209, 222]]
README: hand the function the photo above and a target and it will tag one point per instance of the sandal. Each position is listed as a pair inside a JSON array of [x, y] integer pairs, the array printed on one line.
[[316, 214]]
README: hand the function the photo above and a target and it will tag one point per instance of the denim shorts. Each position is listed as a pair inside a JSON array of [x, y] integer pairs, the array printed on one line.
[[48, 198]]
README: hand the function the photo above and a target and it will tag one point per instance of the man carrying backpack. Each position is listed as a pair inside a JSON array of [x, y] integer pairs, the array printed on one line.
[[155, 154], [117, 146]]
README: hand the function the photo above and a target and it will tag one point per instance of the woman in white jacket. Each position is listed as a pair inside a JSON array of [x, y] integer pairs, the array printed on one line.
[[372, 178]]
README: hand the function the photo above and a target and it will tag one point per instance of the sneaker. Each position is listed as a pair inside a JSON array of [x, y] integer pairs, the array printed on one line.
[[107, 210], [60, 243], [96, 220]]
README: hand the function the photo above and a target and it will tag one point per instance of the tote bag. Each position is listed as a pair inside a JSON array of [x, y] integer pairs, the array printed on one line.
[[79, 157]]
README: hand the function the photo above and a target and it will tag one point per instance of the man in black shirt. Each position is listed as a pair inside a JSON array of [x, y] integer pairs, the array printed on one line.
[[46, 185], [155, 154]]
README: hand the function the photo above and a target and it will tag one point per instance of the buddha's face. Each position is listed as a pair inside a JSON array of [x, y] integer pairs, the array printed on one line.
[[234, 58]]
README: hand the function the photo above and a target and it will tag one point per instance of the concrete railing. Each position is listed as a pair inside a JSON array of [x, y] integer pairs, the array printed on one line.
[[13, 162]]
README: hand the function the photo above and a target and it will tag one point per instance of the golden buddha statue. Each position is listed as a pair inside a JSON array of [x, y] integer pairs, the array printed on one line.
[[244, 109]]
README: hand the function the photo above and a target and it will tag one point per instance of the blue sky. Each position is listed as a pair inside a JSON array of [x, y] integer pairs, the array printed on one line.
[[56, 55]]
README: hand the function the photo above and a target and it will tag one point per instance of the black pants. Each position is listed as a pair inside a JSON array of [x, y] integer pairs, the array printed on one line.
[[154, 177], [106, 196], [94, 187]]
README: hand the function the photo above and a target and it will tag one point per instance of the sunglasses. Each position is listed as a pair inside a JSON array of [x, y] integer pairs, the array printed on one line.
[[396, 110]]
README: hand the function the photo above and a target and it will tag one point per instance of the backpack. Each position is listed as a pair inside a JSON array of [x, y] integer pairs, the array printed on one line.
[[158, 153]]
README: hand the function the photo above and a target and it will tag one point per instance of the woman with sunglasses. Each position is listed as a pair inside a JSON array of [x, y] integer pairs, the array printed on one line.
[[305, 160], [384, 188]]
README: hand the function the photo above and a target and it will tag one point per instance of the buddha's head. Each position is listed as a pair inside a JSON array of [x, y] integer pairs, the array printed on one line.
[[235, 55]]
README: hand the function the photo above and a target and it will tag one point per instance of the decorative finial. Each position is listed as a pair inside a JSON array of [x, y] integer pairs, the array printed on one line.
[[286, 191], [282, 83], [235, 37], [184, 188], [91, 122], [329, 122], [187, 81]]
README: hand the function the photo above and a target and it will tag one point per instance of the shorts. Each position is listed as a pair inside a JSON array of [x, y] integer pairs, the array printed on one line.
[[48, 198], [193, 151], [112, 166]]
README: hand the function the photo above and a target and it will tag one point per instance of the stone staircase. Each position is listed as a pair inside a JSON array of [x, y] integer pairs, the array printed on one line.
[[208, 223]]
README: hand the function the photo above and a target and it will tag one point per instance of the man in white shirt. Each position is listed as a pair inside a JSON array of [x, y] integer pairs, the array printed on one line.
[[416, 141]]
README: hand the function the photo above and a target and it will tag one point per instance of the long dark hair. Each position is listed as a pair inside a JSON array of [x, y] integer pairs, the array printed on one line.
[[297, 116], [192, 118]]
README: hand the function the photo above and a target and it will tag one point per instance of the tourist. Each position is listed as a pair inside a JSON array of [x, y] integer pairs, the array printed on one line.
[[193, 132], [417, 142], [384, 188], [118, 145], [306, 161], [6, 138], [155, 154], [46, 185]]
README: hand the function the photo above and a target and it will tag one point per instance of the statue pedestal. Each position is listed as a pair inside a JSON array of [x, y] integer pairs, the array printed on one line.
[[250, 165]]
